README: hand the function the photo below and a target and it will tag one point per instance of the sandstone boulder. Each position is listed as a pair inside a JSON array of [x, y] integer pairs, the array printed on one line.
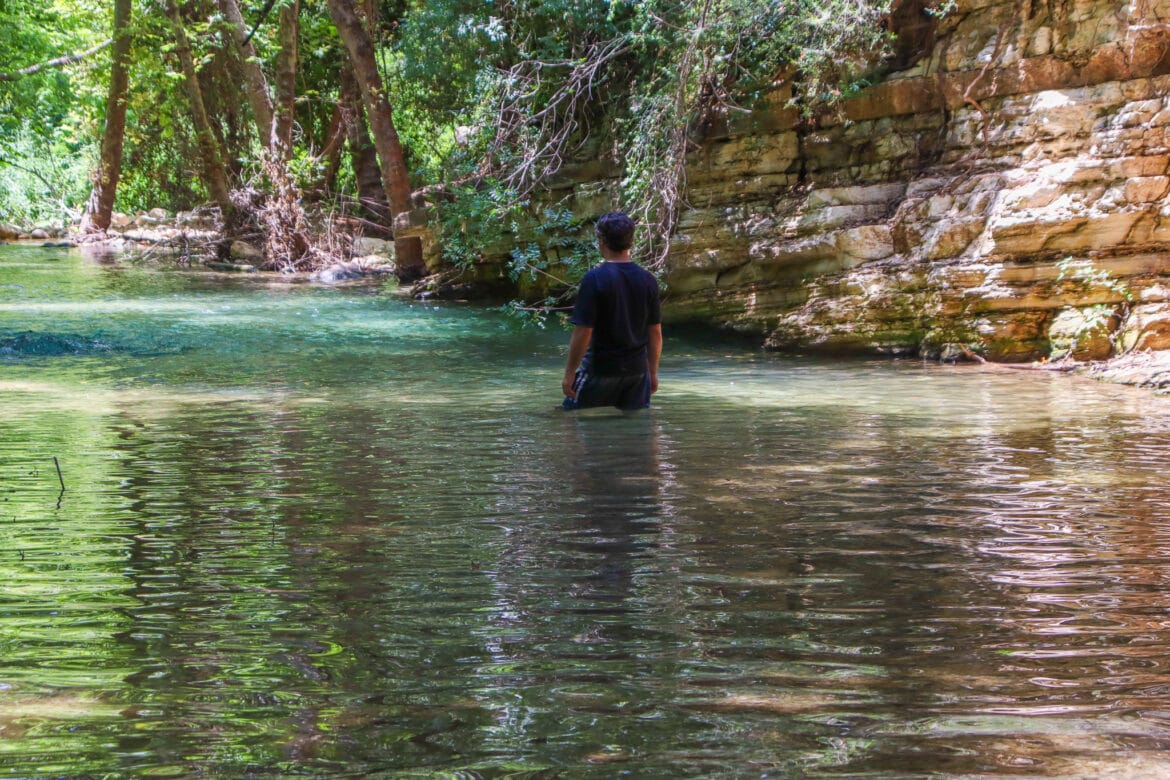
[[1082, 333], [1146, 328], [245, 252], [365, 246]]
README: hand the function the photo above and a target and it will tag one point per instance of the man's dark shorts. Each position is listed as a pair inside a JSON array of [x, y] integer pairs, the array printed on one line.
[[627, 392]]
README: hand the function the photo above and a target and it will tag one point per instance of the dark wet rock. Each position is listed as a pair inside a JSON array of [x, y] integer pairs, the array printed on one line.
[[58, 244], [31, 343], [442, 287], [215, 265]]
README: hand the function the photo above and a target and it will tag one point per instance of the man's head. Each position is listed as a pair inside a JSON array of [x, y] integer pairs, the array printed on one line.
[[616, 231]]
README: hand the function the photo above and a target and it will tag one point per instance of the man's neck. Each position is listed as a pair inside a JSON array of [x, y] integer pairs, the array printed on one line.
[[610, 256]]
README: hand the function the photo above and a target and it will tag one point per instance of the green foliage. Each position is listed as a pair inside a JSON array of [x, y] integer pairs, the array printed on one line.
[[1097, 319], [562, 249], [635, 81], [158, 162], [44, 178], [32, 33], [46, 117], [554, 250], [475, 218], [943, 9], [490, 98], [436, 77]]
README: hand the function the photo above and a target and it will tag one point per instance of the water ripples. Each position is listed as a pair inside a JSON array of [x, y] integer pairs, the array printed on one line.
[[326, 533]]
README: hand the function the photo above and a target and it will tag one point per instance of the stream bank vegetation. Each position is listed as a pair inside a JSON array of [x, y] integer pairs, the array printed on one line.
[[302, 124]]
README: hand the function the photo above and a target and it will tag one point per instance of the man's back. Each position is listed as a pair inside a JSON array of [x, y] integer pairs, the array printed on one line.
[[619, 300], [617, 327]]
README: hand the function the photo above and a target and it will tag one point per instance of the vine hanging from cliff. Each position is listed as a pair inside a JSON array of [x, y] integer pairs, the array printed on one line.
[[626, 87]]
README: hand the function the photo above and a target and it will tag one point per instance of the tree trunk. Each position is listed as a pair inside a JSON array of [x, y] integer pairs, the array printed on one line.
[[257, 85], [214, 174], [287, 240], [253, 76], [220, 80], [331, 151], [395, 179], [286, 78], [100, 207], [367, 174], [332, 166]]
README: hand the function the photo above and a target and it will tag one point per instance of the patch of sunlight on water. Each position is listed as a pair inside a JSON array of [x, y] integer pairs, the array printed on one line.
[[327, 532]]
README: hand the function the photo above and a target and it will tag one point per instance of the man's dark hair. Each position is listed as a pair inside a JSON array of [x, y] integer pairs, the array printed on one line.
[[616, 230]]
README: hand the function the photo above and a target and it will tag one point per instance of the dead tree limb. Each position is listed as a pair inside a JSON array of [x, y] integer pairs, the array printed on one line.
[[59, 62]]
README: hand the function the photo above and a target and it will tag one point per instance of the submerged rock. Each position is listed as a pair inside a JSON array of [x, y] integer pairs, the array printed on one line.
[[50, 344], [215, 265]]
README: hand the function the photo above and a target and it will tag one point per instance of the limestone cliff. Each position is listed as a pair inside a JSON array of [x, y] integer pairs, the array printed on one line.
[[1008, 190], [1005, 189]]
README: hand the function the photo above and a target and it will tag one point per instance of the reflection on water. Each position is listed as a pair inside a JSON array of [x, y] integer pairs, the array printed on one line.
[[331, 533]]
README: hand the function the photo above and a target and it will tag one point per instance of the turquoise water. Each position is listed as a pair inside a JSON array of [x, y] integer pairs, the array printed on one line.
[[333, 533]]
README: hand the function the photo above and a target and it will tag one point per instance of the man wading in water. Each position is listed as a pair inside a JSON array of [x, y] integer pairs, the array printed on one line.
[[617, 334]]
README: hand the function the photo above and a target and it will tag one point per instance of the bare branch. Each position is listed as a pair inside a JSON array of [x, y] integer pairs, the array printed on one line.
[[540, 134], [37, 174], [56, 63]]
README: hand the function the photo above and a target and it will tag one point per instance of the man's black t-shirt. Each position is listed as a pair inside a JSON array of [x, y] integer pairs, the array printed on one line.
[[620, 302]]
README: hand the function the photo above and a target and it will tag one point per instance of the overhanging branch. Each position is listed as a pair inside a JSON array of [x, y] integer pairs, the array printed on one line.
[[56, 63]]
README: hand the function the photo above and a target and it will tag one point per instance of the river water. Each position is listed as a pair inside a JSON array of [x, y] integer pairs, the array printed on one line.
[[333, 533]]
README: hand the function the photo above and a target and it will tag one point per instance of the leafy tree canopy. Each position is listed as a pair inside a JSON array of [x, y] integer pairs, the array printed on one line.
[[491, 97]]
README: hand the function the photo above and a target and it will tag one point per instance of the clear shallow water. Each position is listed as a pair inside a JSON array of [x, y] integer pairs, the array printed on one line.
[[330, 533]]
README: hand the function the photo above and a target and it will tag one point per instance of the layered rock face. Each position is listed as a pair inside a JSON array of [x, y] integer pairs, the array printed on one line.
[[1006, 192]]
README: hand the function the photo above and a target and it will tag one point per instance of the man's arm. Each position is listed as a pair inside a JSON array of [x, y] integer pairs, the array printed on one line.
[[653, 353], [578, 343]]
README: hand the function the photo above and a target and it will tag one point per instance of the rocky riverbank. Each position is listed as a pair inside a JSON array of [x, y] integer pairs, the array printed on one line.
[[194, 237], [1143, 369]]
